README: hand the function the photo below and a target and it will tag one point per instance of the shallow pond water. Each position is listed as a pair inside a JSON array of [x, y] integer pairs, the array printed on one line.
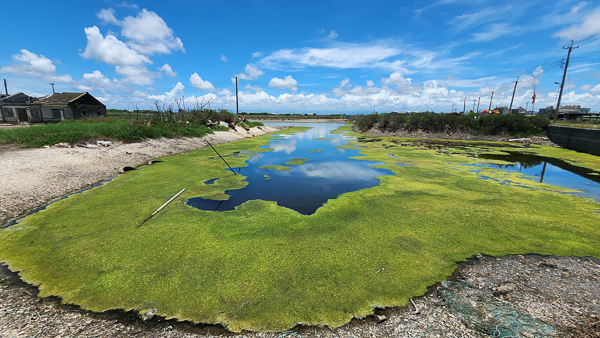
[[549, 170], [302, 172]]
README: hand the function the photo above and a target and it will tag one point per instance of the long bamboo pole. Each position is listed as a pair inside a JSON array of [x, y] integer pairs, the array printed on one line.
[[161, 207]]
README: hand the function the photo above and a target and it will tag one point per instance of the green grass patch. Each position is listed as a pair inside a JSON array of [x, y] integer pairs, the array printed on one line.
[[297, 161], [254, 124], [264, 267], [126, 126], [275, 167], [72, 131]]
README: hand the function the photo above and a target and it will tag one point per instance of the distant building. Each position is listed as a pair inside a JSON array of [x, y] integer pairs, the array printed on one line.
[[576, 107], [575, 112], [502, 110], [544, 111], [519, 110], [21, 108]]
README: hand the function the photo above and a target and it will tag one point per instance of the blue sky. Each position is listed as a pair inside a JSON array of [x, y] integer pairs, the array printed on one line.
[[304, 56]]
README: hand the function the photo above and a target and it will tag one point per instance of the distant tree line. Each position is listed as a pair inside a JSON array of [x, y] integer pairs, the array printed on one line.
[[498, 124]]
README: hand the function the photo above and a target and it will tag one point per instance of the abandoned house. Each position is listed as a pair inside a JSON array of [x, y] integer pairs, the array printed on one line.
[[61, 106], [20, 108], [16, 108]]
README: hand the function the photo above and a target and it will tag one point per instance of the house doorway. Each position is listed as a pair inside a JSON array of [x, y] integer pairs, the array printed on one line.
[[22, 113]]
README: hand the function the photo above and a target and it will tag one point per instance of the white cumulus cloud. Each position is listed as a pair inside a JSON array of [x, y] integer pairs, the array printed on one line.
[[256, 89], [251, 72], [224, 58], [595, 90], [110, 50], [396, 78], [94, 80], [171, 95], [587, 24], [34, 65], [147, 33], [332, 35], [168, 70], [198, 83], [137, 75], [286, 83], [107, 16]]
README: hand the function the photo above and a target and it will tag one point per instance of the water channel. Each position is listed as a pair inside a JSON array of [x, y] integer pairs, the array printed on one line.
[[319, 171], [307, 168]]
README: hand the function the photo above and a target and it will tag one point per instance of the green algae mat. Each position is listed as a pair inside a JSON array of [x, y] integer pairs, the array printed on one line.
[[263, 267]]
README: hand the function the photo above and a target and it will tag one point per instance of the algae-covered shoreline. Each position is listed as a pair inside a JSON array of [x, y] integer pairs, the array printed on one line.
[[367, 249]]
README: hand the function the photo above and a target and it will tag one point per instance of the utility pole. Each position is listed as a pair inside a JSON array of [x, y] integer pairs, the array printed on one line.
[[570, 48], [5, 88], [513, 97], [490, 108], [452, 111], [474, 105], [478, 101], [52, 84], [465, 105], [237, 105]]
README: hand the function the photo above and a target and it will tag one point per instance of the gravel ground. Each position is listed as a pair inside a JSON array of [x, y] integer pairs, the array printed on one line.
[[560, 291]]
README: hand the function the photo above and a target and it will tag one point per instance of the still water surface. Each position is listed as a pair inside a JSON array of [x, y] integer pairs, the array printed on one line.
[[306, 187], [549, 170]]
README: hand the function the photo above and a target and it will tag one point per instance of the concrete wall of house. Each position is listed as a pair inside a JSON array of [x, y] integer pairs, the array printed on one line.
[[49, 115], [9, 114], [15, 113], [35, 114], [89, 111], [67, 113], [87, 106]]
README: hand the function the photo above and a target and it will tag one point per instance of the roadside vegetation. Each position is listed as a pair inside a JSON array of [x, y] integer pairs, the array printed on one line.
[[516, 125], [264, 267], [126, 127]]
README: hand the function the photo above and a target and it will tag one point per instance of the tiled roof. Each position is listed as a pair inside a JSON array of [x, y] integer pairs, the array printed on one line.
[[59, 98]]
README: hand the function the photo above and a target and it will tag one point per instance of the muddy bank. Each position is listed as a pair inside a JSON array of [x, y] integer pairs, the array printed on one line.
[[30, 177], [538, 140]]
